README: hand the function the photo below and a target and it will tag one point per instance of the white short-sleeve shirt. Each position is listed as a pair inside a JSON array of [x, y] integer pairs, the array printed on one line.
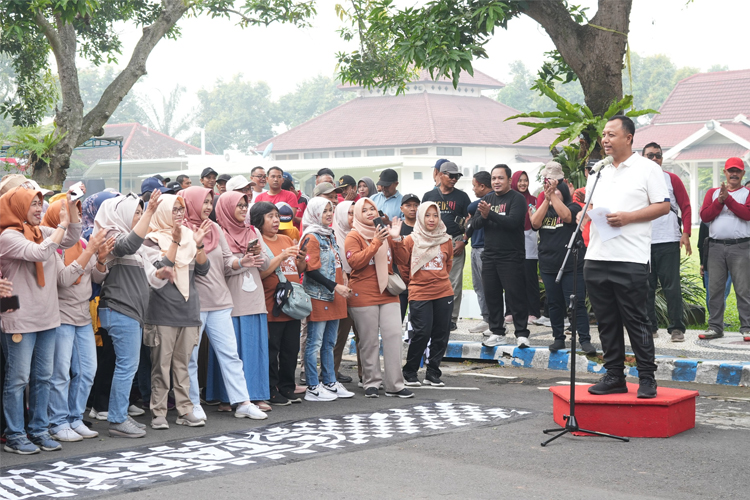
[[635, 184]]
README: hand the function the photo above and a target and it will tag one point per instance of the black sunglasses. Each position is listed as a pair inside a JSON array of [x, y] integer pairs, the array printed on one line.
[[651, 156], [454, 177]]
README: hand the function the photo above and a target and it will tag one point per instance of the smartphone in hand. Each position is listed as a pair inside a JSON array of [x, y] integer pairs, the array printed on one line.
[[9, 303], [251, 245], [378, 222]]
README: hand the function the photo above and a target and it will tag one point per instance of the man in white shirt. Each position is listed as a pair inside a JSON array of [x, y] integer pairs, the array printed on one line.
[[616, 270]]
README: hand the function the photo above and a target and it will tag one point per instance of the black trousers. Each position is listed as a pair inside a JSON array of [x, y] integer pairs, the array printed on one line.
[[665, 269], [531, 268], [618, 292], [105, 362], [404, 299], [431, 322], [283, 347], [509, 276]]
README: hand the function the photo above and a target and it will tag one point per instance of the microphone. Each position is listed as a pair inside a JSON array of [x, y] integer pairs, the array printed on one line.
[[601, 164]]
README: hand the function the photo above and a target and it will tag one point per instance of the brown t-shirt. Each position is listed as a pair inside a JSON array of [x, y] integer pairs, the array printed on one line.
[[432, 280], [288, 268], [363, 280], [323, 310]]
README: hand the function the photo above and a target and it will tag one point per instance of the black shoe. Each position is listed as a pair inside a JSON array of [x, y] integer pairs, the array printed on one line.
[[403, 393], [371, 392], [344, 379], [277, 399], [411, 380], [292, 397], [647, 388], [557, 345], [431, 379], [609, 384], [589, 349], [302, 378], [454, 326]]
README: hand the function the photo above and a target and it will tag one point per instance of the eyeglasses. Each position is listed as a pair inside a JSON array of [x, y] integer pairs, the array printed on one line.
[[259, 176], [454, 177], [651, 156], [242, 206], [178, 210]]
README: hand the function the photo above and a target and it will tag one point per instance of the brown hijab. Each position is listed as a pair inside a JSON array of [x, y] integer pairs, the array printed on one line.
[[14, 206]]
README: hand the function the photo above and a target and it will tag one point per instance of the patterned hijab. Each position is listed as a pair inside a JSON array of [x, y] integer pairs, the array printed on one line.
[[313, 218], [89, 207], [366, 229], [426, 243], [341, 228], [14, 207]]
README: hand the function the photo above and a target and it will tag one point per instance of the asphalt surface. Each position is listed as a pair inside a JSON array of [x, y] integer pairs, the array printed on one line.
[[491, 459]]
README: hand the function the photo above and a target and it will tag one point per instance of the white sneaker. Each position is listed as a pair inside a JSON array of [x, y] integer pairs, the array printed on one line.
[[85, 432], [248, 411], [67, 435], [98, 415], [523, 342], [199, 413], [481, 327], [339, 390], [317, 393], [543, 321], [361, 384], [135, 411], [495, 340]]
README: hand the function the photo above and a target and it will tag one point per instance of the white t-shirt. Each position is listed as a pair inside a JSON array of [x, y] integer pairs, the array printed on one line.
[[727, 226], [635, 184]]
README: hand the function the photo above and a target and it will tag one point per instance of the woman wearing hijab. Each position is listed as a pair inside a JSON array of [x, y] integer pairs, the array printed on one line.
[[249, 311], [374, 309], [283, 331], [343, 218], [124, 298], [520, 182], [173, 308], [216, 308], [75, 347], [324, 282], [428, 253], [90, 207], [28, 260], [366, 187]]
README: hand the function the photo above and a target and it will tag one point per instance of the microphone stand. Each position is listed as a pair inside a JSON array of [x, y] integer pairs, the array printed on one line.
[[571, 423]]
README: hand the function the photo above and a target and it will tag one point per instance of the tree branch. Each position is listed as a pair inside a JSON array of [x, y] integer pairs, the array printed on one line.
[[50, 33]]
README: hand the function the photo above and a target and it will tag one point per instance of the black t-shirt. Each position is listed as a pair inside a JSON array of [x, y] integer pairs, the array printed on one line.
[[406, 229], [554, 235], [454, 207]]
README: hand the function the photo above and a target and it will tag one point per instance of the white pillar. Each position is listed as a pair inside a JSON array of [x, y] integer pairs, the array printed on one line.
[[715, 182], [695, 203]]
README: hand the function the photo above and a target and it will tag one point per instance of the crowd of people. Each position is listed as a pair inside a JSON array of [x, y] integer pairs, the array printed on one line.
[[106, 298]]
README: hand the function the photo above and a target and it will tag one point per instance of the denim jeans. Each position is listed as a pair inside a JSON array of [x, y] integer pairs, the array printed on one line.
[[127, 335], [558, 298], [29, 362], [220, 331], [72, 376], [321, 336]]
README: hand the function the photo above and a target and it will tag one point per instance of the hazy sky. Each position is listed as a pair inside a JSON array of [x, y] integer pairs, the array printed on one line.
[[701, 34]]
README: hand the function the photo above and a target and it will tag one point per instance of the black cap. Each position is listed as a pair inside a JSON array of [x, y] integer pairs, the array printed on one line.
[[208, 171], [325, 171], [223, 178], [161, 179], [410, 197], [388, 177], [173, 187], [346, 181]]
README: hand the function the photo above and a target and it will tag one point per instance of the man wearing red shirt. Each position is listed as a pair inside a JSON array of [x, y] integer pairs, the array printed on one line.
[[275, 194]]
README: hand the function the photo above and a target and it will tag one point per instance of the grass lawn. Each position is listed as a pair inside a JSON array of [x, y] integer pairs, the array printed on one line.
[[730, 315]]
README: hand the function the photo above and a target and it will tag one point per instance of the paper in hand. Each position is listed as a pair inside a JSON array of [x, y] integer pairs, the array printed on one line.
[[598, 216]]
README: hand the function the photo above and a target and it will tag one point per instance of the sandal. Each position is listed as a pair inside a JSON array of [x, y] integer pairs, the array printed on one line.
[[262, 405], [224, 407]]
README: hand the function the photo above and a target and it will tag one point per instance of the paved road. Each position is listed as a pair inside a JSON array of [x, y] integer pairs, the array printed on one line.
[[457, 451]]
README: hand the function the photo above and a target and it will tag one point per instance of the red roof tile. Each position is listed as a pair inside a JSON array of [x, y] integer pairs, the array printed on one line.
[[479, 80], [720, 95], [410, 120], [712, 152], [667, 136]]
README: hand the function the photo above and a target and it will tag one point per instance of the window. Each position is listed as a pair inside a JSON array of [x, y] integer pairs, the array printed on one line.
[[348, 154], [417, 176], [381, 152], [448, 151], [287, 157], [316, 156], [413, 151]]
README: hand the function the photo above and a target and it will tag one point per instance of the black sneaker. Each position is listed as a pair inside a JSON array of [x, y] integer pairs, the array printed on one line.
[[588, 348], [411, 380], [291, 396], [454, 326], [647, 388], [403, 393], [609, 384], [557, 345], [431, 379], [277, 399], [344, 379], [371, 392]]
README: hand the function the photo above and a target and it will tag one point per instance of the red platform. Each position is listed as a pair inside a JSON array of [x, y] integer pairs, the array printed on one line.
[[672, 411]]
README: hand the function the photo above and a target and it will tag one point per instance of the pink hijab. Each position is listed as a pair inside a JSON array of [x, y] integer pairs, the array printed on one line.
[[237, 233], [193, 197]]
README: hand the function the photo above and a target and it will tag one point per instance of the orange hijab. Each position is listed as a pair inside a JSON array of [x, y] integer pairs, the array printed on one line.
[[14, 206], [52, 219]]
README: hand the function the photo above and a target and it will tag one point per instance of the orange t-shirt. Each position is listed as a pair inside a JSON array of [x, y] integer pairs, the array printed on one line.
[[432, 281], [288, 268], [323, 310], [293, 233], [363, 280]]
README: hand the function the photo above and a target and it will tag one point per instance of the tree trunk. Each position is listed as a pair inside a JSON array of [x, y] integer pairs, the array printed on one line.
[[594, 54]]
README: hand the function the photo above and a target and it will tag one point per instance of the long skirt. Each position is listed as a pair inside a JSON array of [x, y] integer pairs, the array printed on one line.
[[252, 346]]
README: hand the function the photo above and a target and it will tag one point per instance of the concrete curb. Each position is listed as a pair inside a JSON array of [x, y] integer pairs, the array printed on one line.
[[702, 371]]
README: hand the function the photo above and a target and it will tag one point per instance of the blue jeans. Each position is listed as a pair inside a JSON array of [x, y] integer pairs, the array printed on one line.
[[29, 362], [72, 376], [558, 297], [127, 335], [321, 336], [220, 330]]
